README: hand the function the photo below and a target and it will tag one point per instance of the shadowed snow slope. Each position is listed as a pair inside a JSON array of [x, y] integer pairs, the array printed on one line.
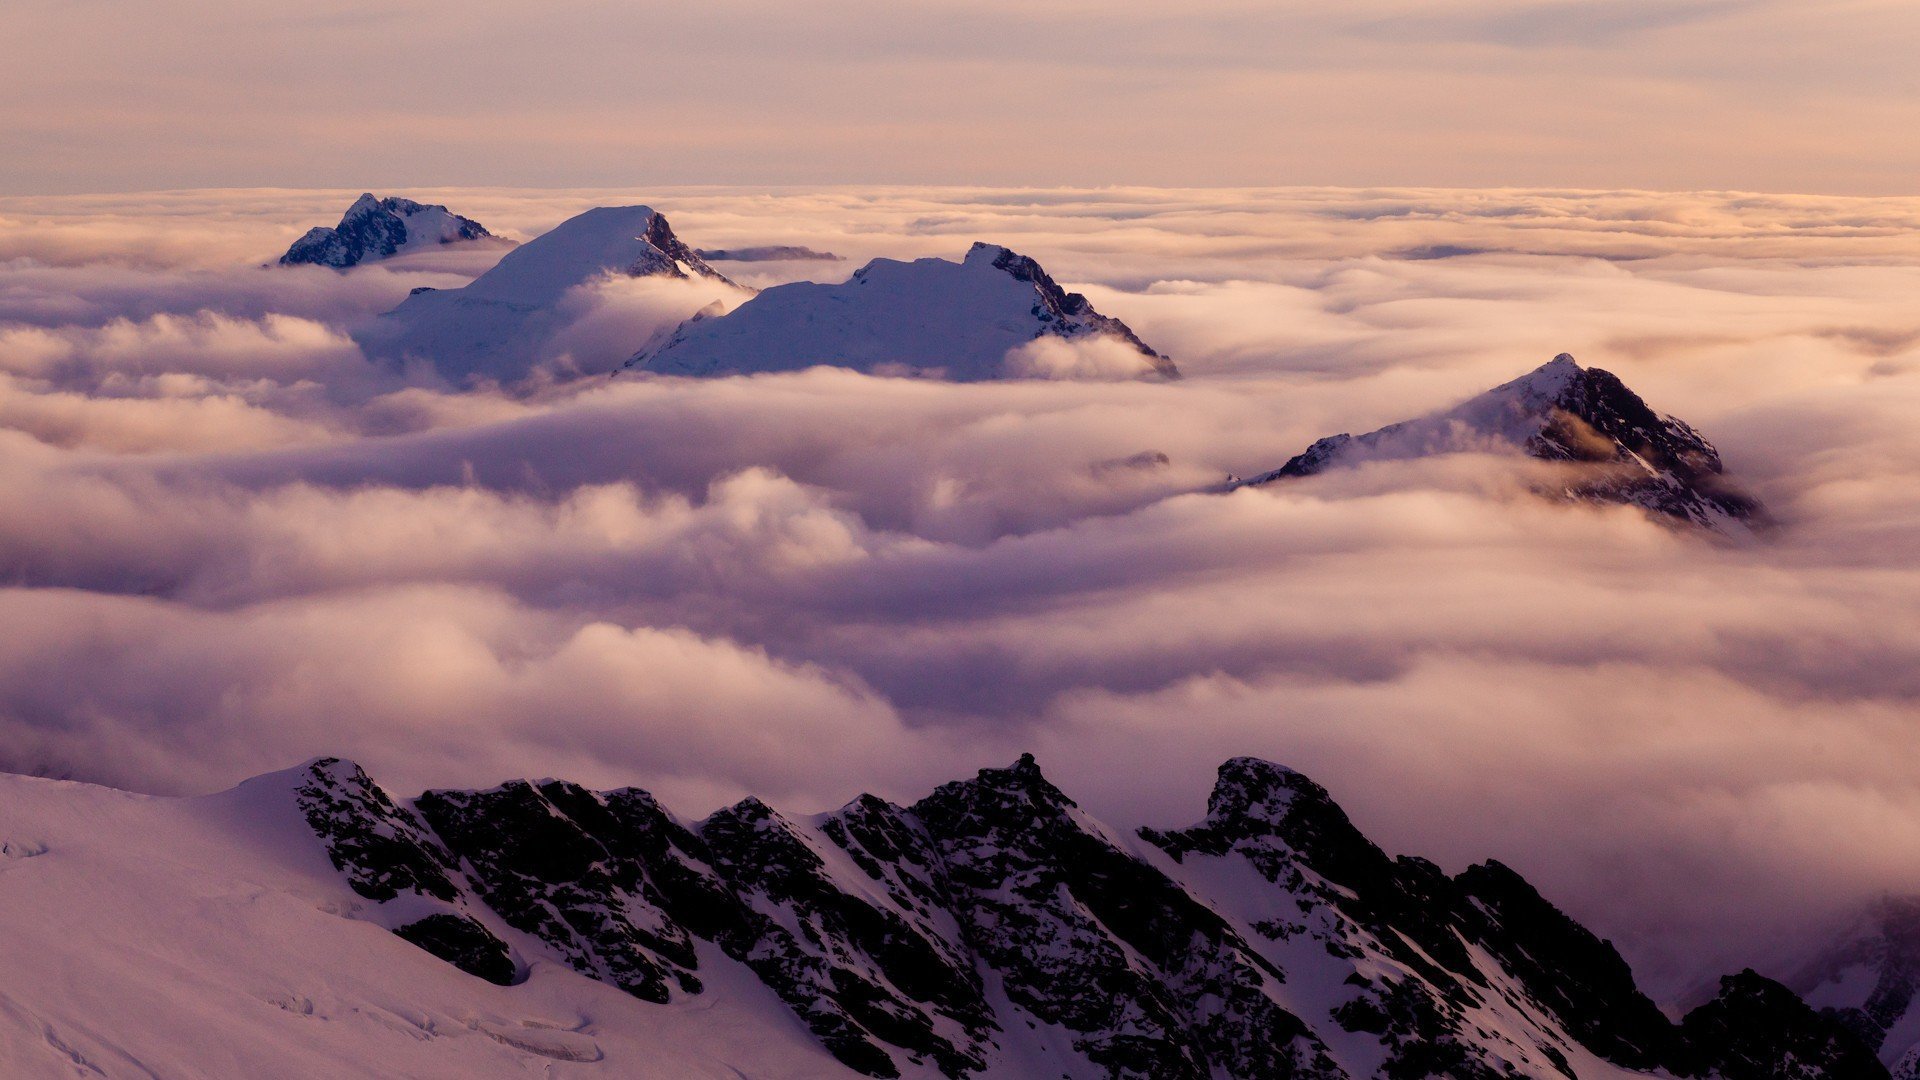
[[1871, 977], [1561, 412], [954, 320], [495, 326], [374, 229], [308, 924]]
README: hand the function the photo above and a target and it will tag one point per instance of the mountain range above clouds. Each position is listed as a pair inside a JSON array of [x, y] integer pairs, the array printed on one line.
[[1619, 449], [993, 928], [998, 314], [375, 228], [994, 314]]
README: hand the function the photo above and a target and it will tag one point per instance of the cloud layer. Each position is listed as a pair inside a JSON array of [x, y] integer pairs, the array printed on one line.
[[231, 543]]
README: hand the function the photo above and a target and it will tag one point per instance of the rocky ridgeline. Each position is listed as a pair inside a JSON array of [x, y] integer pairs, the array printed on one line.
[[995, 928], [1618, 448], [373, 229]]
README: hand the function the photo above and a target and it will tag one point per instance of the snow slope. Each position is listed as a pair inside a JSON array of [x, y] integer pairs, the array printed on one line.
[[496, 326], [932, 317], [212, 938], [373, 229]]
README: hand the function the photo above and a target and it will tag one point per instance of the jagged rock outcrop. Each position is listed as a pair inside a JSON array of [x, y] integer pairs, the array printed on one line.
[[1757, 1029], [1151, 981], [1617, 448], [374, 228], [964, 321], [994, 928]]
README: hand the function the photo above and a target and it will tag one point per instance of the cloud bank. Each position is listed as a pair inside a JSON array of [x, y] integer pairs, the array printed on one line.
[[229, 542]]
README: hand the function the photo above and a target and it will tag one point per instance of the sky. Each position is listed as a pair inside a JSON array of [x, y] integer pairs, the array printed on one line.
[[1748, 95], [231, 543]]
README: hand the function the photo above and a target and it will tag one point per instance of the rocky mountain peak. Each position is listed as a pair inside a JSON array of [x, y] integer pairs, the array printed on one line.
[[1249, 790], [374, 228], [1016, 790], [1622, 450]]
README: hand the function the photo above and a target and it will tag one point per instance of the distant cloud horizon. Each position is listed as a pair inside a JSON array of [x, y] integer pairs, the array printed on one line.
[[1750, 95]]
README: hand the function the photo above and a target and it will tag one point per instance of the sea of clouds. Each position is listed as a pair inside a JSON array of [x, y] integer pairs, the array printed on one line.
[[229, 543]]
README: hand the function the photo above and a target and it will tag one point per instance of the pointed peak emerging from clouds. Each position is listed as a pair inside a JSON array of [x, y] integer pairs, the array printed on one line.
[[1561, 412], [374, 228]]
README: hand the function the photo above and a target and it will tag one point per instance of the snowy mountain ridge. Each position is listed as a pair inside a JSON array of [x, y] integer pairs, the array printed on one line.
[[494, 326], [1564, 413], [374, 228], [933, 317], [992, 928]]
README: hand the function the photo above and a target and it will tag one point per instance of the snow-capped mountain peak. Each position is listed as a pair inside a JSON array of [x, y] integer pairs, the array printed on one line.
[[978, 318], [1621, 450], [631, 241], [497, 325], [374, 228]]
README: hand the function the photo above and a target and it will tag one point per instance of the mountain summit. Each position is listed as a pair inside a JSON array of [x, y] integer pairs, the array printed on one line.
[[1561, 412], [375, 228], [980, 318], [494, 326]]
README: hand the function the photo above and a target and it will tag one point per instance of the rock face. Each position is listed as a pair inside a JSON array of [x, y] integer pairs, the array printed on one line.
[[931, 317], [495, 326], [994, 928], [1621, 451], [1870, 981], [1757, 1029], [375, 228]]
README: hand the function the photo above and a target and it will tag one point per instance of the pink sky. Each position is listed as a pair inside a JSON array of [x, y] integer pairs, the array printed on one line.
[[1665, 94]]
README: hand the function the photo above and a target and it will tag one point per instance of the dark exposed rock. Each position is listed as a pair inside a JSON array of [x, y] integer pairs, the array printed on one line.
[[880, 961], [995, 914], [380, 846], [1089, 937], [1757, 1029], [561, 863], [464, 943], [670, 257], [1621, 450], [1061, 309], [1569, 970], [375, 228]]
